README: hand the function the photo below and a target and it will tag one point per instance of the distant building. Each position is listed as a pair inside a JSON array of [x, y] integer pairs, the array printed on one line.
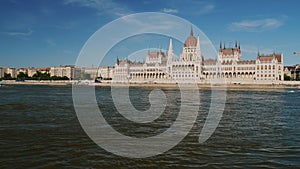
[[297, 72], [12, 72], [61, 71], [44, 69], [106, 72], [91, 73], [1, 72], [29, 71], [288, 71], [23, 70], [162, 67], [292, 71]]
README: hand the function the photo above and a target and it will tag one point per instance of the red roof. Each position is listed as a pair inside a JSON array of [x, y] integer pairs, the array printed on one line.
[[229, 51], [268, 58], [156, 54], [210, 62], [43, 69], [243, 62]]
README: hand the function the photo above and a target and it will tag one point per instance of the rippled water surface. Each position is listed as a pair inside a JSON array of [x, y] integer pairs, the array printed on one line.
[[39, 129]]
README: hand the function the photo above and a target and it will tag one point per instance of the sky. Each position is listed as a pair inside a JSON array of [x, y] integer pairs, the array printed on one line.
[[45, 33]]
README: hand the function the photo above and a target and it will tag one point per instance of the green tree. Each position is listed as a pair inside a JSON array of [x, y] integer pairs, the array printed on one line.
[[41, 76], [7, 76], [287, 78], [59, 78], [22, 76]]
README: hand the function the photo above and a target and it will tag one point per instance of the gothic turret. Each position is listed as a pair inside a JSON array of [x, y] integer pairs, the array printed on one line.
[[198, 50], [170, 53]]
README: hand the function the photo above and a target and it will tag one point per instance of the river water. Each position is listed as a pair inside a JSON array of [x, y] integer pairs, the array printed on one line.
[[39, 129]]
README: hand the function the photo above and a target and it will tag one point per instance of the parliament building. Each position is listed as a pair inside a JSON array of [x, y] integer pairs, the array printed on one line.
[[191, 67]]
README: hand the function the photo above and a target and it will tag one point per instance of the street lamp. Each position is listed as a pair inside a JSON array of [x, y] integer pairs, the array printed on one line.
[[296, 53]]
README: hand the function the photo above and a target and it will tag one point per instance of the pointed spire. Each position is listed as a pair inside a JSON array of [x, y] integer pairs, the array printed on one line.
[[170, 52], [198, 43], [159, 49], [220, 45], [118, 61], [171, 45], [199, 55], [224, 46], [236, 46], [191, 33]]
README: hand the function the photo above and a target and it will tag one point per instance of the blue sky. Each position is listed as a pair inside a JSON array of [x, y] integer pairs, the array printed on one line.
[[43, 33]]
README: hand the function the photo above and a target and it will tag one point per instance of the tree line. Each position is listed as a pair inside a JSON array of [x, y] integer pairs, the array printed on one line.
[[37, 76]]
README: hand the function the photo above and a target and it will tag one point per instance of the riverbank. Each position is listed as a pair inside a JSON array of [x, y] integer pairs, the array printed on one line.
[[37, 82], [285, 84]]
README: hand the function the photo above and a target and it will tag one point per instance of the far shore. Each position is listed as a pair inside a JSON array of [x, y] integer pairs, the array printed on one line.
[[283, 85]]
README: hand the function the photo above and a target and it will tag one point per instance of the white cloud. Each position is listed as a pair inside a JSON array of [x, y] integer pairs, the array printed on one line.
[[50, 42], [169, 10], [102, 6], [28, 33], [255, 25], [207, 8], [253, 50], [158, 23], [199, 8]]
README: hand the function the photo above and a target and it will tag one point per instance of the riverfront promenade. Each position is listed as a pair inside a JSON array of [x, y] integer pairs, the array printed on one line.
[[283, 84]]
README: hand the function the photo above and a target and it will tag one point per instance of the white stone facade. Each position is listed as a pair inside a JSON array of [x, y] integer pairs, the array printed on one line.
[[191, 67], [61, 71], [1, 72]]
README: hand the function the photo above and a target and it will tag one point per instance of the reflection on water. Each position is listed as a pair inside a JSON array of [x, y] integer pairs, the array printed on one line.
[[39, 129]]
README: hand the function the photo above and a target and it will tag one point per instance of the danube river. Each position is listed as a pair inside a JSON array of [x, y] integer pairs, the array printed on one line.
[[39, 129]]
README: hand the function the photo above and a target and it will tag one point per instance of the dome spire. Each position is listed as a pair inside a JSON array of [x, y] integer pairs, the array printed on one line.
[[191, 33]]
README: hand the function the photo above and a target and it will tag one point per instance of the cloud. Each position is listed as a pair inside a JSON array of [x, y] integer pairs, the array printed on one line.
[[199, 7], [191, 8], [153, 22], [50, 42], [169, 10], [207, 9], [255, 25], [28, 33], [253, 50], [102, 6]]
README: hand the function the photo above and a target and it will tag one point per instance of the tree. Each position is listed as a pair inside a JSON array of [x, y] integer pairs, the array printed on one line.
[[7, 76], [59, 78], [22, 76], [287, 78], [41, 76]]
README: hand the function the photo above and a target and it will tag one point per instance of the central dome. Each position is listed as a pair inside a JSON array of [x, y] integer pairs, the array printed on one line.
[[191, 41]]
